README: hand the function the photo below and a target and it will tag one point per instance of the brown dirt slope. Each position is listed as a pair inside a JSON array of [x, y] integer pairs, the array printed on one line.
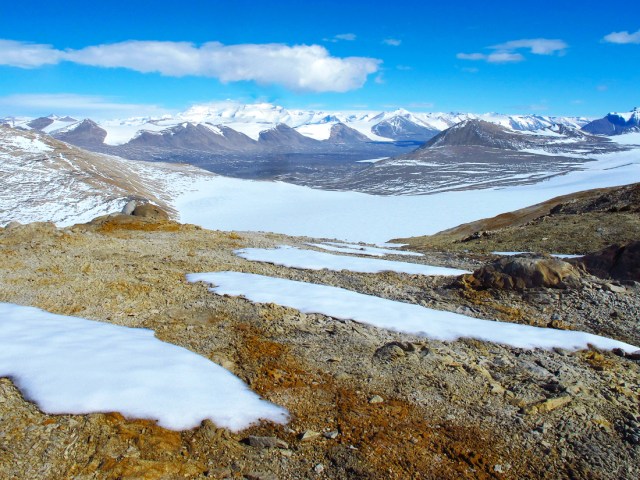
[[449, 410], [577, 223]]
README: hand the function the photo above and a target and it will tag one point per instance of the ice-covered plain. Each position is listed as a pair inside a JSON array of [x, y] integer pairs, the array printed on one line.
[[293, 257], [73, 365], [397, 316], [231, 204]]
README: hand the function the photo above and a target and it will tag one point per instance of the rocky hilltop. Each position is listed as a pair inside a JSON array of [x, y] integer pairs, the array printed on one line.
[[572, 224], [364, 402]]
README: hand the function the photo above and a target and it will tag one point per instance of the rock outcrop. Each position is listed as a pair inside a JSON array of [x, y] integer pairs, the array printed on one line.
[[522, 272], [618, 262], [148, 210]]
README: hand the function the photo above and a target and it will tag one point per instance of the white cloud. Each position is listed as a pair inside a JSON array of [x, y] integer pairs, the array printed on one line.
[[75, 105], [348, 37], [393, 42], [622, 37], [471, 56], [495, 57], [27, 55], [538, 46], [298, 67], [504, 57], [507, 52]]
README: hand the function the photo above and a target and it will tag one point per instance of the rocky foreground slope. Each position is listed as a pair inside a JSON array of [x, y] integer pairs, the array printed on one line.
[[44, 178], [364, 402]]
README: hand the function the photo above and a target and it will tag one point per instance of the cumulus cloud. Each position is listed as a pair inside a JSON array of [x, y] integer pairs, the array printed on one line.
[[507, 52], [298, 67], [76, 105], [393, 42], [27, 55], [622, 37]]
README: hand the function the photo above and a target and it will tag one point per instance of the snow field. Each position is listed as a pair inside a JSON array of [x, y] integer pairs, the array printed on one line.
[[78, 366], [223, 203], [293, 257], [396, 316]]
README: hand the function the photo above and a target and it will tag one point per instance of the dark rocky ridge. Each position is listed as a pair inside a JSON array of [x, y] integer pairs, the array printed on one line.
[[194, 137], [88, 134], [618, 262], [342, 134], [40, 123], [614, 124], [478, 133], [284, 137]]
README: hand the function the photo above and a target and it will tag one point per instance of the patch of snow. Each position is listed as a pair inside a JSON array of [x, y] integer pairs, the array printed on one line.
[[57, 125], [120, 132], [556, 255], [540, 151], [251, 130], [397, 316], [293, 257], [27, 145], [362, 249], [317, 131], [372, 160], [77, 366]]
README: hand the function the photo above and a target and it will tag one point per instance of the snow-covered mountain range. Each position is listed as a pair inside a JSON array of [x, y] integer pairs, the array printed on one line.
[[252, 120]]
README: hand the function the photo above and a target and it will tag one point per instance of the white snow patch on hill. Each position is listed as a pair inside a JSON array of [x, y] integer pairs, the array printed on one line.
[[317, 131], [27, 145], [310, 259], [397, 316], [46, 180], [72, 365]]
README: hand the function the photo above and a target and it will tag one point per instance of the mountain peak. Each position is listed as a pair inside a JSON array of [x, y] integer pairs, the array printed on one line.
[[474, 132], [615, 123]]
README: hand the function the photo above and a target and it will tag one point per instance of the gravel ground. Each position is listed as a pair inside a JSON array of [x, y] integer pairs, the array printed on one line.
[[365, 403]]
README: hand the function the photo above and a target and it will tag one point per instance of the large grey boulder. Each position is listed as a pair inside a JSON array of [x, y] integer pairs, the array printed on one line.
[[522, 272]]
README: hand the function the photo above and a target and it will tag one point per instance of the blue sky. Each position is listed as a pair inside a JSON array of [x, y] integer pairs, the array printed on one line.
[[119, 58]]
